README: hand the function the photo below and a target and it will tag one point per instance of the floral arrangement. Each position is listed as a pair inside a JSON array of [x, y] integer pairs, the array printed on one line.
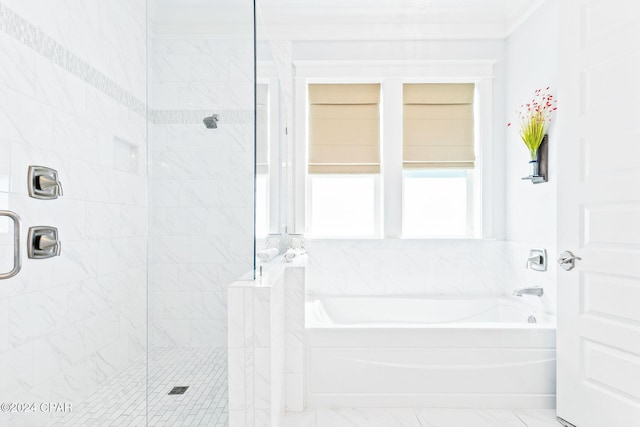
[[534, 117]]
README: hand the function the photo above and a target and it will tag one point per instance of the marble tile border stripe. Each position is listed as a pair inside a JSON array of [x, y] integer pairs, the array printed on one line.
[[191, 117], [30, 35]]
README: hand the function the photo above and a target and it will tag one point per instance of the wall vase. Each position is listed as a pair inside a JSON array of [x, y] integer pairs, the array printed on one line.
[[534, 167], [538, 166]]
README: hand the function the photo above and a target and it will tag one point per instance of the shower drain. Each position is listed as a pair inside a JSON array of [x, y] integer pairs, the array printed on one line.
[[179, 390]]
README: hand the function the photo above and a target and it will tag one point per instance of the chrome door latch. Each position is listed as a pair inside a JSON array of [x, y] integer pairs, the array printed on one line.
[[43, 183], [43, 243], [567, 260]]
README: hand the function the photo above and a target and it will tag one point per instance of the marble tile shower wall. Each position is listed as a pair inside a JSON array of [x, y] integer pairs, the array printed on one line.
[[72, 93], [425, 267], [201, 186]]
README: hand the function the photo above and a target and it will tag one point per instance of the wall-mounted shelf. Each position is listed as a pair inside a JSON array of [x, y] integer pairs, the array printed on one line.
[[543, 163]]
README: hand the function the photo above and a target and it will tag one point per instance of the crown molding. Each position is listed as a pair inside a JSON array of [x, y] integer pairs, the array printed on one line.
[[491, 21]]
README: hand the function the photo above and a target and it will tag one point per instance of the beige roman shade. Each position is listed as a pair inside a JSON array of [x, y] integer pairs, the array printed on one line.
[[438, 126], [262, 129], [344, 128]]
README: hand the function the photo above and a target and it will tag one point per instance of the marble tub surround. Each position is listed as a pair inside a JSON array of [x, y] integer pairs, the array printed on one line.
[[426, 267], [405, 267], [266, 346]]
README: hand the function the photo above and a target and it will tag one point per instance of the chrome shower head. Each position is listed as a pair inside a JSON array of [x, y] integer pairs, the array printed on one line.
[[211, 122]]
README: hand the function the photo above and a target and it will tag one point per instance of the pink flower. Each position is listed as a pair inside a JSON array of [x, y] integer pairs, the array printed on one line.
[[539, 109]]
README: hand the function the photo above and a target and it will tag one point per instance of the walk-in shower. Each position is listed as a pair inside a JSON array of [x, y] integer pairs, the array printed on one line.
[[155, 221]]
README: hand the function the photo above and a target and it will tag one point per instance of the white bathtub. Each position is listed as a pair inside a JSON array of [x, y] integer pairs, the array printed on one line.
[[428, 352]]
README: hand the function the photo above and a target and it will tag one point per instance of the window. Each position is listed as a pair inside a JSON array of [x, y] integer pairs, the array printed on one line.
[[344, 160], [435, 203], [343, 205], [425, 179], [438, 152]]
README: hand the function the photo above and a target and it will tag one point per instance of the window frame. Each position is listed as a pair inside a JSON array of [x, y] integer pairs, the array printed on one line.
[[275, 189], [392, 75]]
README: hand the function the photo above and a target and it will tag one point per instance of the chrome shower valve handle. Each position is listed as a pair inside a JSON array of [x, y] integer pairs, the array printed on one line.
[[43, 183], [43, 242], [46, 183]]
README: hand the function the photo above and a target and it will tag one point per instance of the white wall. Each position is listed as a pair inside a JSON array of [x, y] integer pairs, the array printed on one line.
[[201, 184], [530, 210], [532, 64], [523, 214], [72, 97]]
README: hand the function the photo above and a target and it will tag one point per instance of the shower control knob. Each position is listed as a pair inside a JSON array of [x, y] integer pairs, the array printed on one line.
[[567, 260], [43, 242], [43, 183]]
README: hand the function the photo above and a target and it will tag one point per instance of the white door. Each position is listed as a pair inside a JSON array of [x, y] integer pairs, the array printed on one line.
[[599, 213]]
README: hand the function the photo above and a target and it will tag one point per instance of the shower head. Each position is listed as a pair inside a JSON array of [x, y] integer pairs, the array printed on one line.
[[211, 122]]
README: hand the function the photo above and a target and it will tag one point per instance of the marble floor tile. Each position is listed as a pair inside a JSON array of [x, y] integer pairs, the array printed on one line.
[[353, 417], [468, 417], [422, 417], [300, 419], [538, 417]]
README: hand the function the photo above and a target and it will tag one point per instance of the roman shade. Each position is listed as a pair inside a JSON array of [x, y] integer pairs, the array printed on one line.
[[438, 126], [262, 129], [344, 128]]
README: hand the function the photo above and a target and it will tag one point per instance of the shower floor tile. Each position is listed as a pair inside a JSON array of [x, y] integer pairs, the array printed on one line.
[[122, 401]]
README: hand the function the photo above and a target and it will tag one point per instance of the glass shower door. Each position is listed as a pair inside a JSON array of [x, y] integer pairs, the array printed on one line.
[[201, 191]]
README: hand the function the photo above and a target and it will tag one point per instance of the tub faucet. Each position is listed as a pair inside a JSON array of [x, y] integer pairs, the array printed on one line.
[[528, 291]]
